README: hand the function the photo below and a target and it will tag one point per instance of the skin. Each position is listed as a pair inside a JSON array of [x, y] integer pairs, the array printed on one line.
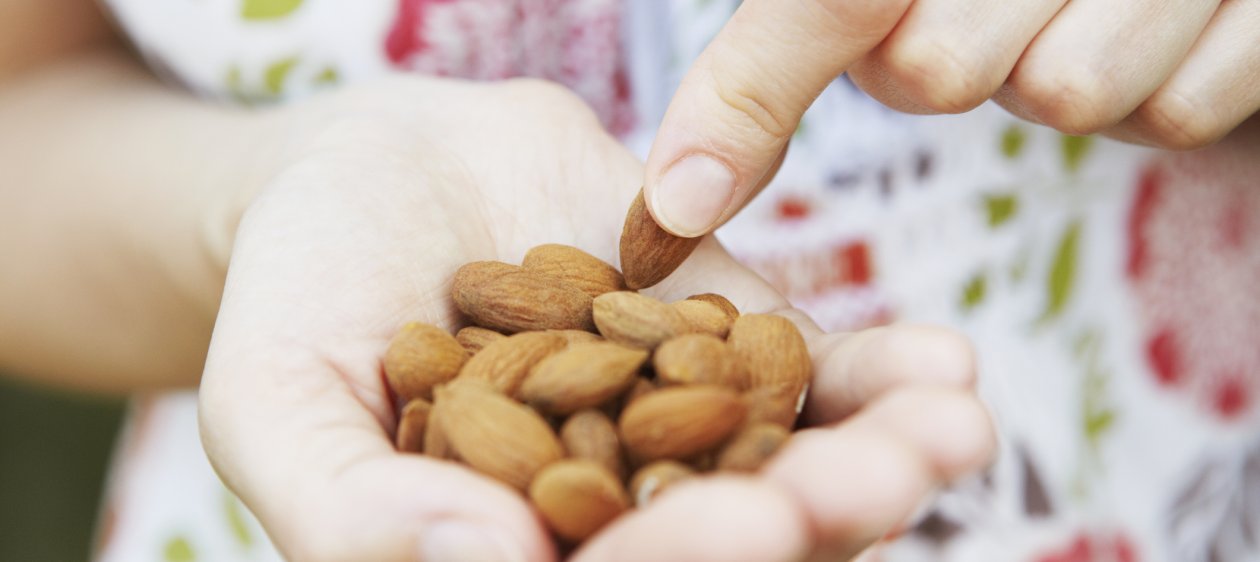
[[1178, 74], [315, 230]]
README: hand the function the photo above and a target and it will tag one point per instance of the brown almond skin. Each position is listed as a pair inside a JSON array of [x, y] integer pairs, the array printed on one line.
[[775, 405], [576, 336], [475, 338], [704, 317], [518, 300], [496, 435], [435, 442], [591, 435], [640, 388], [752, 447], [654, 478], [698, 359], [719, 301], [575, 267], [577, 497], [648, 252], [412, 422], [637, 320], [680, 421], [582, 375], [772, 351], [506, 362], [419, 357]]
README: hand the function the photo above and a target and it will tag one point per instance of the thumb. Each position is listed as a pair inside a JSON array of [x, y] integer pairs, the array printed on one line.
[[743, 98]]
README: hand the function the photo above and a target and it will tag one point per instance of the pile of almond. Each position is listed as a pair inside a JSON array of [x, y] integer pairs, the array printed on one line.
[[591, 398]]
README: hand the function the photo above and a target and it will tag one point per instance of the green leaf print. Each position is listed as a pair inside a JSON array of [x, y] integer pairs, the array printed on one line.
[[273, 77], [236, 519], [327, 76], [1098, 423], [1062, 276], [1074, 150], [258, 10], [1013, 141], [178, 550], [974, 291], [1000, 208]]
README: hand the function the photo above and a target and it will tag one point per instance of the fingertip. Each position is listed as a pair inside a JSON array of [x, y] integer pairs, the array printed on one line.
[[951, 426], [691, 195]]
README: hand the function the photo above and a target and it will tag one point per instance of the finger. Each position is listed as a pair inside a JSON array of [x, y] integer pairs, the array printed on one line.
[[1097, 60], [1214, 89], [718, 519], [319, 471], [850, 369], [743, 98], [860, 480], [949, 56]]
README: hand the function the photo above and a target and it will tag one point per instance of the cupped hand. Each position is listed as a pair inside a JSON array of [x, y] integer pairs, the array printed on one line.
[[362, 231], [1175, 74]]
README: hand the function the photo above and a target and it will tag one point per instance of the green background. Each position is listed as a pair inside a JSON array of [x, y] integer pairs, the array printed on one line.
[[54, 448]]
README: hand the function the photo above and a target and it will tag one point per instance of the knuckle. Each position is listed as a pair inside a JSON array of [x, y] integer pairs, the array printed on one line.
[[942, 74], [757, 110], [1176, 122], [1074, 101]]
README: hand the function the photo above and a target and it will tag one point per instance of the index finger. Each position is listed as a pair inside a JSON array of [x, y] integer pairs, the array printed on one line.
[[743, 98]]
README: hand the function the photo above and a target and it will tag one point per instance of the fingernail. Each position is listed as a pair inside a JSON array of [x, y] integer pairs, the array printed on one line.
[[692, 195], [462, 541]]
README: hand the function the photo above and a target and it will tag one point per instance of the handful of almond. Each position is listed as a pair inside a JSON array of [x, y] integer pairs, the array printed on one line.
[[590, 398]]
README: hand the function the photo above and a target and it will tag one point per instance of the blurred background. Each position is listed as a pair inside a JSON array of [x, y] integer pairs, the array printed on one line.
[[54, 448]]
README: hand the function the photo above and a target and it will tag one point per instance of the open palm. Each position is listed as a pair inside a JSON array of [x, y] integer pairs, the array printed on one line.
[[409, 180]]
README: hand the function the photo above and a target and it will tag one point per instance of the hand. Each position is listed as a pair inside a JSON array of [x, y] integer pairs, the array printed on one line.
[[362, 232], [1176, 74]]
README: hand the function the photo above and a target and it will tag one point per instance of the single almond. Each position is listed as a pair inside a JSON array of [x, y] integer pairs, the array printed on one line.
[[590, 434], [751, 447], [720, 301], [510, 299], [411, 425], [575, 267], [640, 388], [506, 362], [648, 252], [704, 317], [581, 375], [496, 435], [637, 320], [576, 336], [773, 353], [577, 497], [654, 478], [680, 421], [776, 405], [435, 442], [698, 359], [419, 357], [475, 338]]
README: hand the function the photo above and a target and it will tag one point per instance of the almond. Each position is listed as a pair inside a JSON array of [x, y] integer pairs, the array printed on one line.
[[589, 434], [576, 336], [775, 405], [654, 478], [474, 338], [582, 375], [773, 353], [640, 388], [506, 362], [496, 435], [435, 443], [751, 447], [637, 320], [577, 497], [649, 253], [411, 425], [510, 299], [719, 301], [421, 356], [704, 317], [697, 359], [680, 421], [575, 267]]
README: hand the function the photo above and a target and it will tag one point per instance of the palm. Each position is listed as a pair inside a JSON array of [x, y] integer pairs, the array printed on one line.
[[348, 244]]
